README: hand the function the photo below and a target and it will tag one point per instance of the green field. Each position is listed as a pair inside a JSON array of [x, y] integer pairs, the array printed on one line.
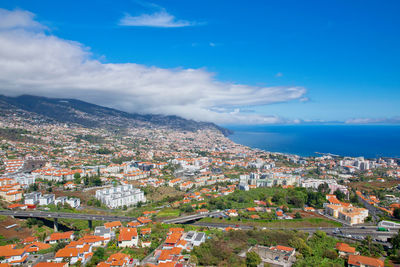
[[168, 213], [295, 223]]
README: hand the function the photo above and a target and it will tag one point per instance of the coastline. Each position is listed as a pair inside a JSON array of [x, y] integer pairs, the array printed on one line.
[[368, 141]]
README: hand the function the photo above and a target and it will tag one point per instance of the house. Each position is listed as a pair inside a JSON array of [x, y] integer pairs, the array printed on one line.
[[174, 235], [29, 239], [186, 185], [60, 237], [174, 182], [362, 261], [170, 255], [145, 231], [36, 246], [117, 259], [128, 237], [134, 224], [309, 209], [52, 264], [113, 225], [144, 220], [93, 240], [17, 206], [279, 213], [254, 216], [202, 211], [69, 185], [74, 254], [12, 255], [195, 238], [106, 233], [345, 250], [232, 213]]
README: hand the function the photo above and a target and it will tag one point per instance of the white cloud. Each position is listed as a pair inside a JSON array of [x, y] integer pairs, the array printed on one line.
[[392, 120], [18, 19], [34, 62], [160, 19]]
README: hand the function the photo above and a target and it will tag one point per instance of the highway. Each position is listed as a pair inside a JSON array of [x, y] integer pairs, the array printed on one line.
[[65, 215], [344, 231], [189, 218]]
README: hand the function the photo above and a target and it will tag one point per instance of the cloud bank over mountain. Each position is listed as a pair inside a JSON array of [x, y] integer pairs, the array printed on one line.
[[33, 61]]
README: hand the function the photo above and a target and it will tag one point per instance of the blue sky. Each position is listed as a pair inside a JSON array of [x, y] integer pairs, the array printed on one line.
[[344, 54]]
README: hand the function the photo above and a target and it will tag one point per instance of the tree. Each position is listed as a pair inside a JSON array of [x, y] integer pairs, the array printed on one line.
[[330, 254], [252, 259], [395, 241], [396, 213], [339, 195], [60, 246], [323, 188], [33, 187], [301, 246], [77, 178], [100, 252], [297, 215], [368, 248]]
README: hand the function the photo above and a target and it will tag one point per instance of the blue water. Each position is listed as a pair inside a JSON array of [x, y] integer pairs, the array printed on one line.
[[370, 141]]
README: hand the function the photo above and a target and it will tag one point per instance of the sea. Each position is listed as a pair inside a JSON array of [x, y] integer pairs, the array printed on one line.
[[369, 141]]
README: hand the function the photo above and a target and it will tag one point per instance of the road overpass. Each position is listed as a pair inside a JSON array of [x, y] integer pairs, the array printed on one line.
[[195, 217], [65, 215]]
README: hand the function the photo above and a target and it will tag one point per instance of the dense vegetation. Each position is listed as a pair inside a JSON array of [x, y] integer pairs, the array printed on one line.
[[224, 247], [19, 135], [273, 196]]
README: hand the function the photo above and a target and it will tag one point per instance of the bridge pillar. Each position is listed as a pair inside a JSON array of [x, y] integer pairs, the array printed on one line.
[[90, 224], [55, 225]]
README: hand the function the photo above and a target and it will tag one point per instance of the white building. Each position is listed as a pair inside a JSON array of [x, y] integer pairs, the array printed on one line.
[[74, 202], [332, 184], [128, 237], [24, 179], [32, 198], [46, 199], [269, 179], [195, 238], [60, 200], [104, 232], [123, 195]]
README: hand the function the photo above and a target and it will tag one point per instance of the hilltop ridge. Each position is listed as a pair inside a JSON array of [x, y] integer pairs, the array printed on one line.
[[65, 110]]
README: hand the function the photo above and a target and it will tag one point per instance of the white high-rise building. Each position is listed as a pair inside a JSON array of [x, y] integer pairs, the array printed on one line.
[[123, 195]]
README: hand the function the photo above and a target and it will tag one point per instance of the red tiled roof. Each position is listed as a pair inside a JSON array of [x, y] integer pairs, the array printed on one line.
[[58, 236], [279, 247], [345, 248], [113, 224], [36, 246], [51, 264], [127, 234], [358, 260]]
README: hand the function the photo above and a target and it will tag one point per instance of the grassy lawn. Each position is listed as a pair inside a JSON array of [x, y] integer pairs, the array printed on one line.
[[168, 213], [295, 223]]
